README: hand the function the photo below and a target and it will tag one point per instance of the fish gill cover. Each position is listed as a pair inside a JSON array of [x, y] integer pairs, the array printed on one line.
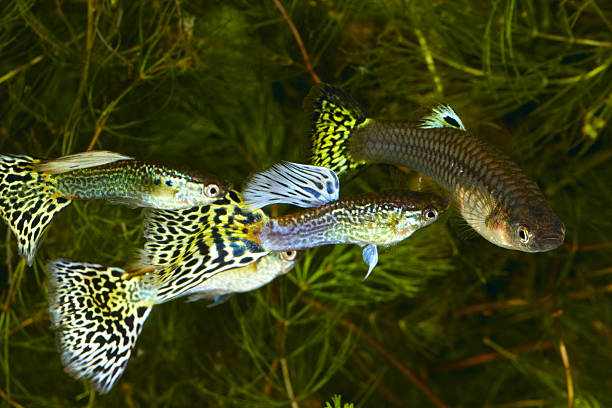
[[448, 319]]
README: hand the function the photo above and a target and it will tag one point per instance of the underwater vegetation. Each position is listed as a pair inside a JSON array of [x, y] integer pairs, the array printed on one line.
[[446, 319]]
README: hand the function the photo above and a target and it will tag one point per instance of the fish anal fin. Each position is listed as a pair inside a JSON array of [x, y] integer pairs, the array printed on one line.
[[370, 256]]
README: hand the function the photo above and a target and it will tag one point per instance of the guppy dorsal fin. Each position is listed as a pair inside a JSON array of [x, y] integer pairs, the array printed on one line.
[[98, 315], [80, 161], [186, 247], [28, 201], [302, 185], [442, 116]]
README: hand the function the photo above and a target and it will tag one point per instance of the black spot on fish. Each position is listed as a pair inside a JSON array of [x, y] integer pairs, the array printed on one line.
[[234, 196], [451, 121]]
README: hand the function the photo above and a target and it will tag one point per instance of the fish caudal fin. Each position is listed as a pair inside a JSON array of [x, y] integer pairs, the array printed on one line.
[[98, 314], [291, 183], [335, 116], [189, 246], [28, 201], [79, 161], [442, 116]]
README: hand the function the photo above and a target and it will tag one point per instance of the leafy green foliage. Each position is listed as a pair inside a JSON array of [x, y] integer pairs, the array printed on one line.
[[218, 87]]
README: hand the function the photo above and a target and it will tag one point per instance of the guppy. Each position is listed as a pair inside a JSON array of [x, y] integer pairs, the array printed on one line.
[[98, 311], [34, 190], [493, 195], [367, 220], [195, 244]]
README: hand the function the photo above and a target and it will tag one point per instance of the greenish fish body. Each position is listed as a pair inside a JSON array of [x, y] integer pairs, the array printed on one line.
[[32, 190], [384, 218], [492, 193], [367, 220], [139, 184], [98, 312]]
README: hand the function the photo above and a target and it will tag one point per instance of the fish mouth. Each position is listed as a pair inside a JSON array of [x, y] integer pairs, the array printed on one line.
[[550, 241]]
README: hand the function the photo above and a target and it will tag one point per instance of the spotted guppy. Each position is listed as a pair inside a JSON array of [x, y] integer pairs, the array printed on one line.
[[33, 191]]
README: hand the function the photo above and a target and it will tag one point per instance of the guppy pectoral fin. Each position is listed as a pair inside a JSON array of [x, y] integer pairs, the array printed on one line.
[[292, 183], [219, 300], [370, 256], [442, 116]]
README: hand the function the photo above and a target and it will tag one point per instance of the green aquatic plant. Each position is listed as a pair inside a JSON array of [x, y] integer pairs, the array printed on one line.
[[447, 319]]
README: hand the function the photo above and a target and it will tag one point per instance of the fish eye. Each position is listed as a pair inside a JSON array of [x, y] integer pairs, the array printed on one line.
[[212, 190], [523, 233], [288, 255], [430, 213]]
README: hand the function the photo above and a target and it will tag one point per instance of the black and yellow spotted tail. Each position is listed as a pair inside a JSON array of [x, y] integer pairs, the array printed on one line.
[[335, 117], [186, 247], [98, 313], [28, 201]]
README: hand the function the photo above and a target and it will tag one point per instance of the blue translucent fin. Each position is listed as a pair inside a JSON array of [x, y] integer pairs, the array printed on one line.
[[98, 313], [80, 161], [291, 183], [442, 116], [370, 255], [28, 201], [221, 299]]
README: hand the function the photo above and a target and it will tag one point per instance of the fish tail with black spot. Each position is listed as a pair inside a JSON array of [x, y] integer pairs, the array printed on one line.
[[28, 201], [98, 313]]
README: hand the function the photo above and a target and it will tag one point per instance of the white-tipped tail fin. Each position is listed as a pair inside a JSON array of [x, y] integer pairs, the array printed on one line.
[[98, 313], [302, 185], [79, 161]]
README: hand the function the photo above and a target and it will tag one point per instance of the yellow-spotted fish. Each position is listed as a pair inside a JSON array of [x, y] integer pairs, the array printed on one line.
[[32, 190], [98, 311], [367, 220], [194, 244], [493, 195]]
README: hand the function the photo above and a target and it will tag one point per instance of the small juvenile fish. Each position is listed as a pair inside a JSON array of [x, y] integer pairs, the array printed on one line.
[[34, 190], [98, 311], [493, 195], [367, 220]]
